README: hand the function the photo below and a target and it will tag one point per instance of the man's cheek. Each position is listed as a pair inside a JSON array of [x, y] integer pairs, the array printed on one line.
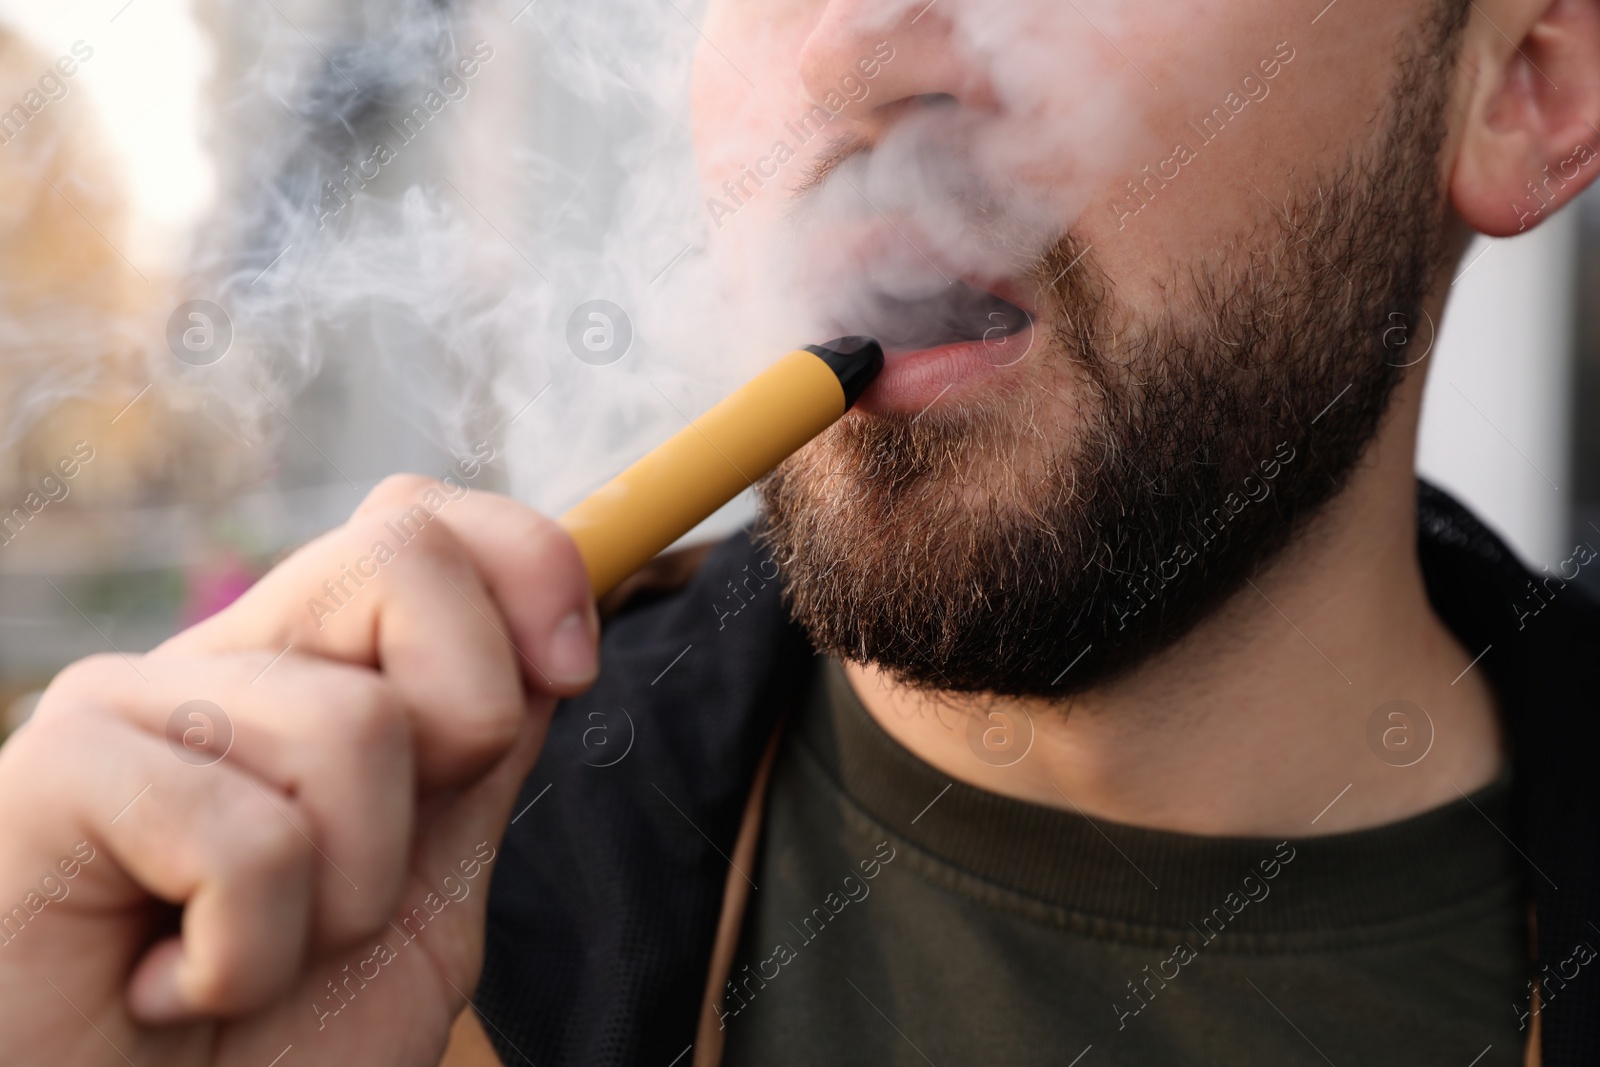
[[742, 139], [728, 120]]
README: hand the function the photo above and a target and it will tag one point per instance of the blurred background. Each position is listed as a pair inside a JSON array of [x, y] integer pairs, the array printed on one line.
[[133, 502]]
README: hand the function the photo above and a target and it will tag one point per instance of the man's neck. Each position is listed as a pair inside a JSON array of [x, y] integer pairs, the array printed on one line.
[[1261, 721]]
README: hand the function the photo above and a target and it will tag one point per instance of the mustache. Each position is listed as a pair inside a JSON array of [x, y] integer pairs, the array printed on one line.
[[929, 171], [925, 302], [838, 152]]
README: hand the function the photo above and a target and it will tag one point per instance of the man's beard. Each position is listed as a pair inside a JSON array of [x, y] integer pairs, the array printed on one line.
[[984, 549]]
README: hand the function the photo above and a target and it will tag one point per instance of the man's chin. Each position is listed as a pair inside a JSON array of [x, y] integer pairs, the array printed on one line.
[[896, 534]]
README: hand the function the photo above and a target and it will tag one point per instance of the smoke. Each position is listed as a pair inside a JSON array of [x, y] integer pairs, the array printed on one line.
[[435, 194], [442, 187]]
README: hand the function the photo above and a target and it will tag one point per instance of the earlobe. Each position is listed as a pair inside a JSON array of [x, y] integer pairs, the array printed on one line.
[[1530, 141]]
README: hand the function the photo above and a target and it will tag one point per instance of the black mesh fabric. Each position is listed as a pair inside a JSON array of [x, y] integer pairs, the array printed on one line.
[[604, 905], [605, 901], [1546, 671]]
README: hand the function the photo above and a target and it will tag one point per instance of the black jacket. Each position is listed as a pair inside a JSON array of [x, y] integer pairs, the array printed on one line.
[[605, 901]]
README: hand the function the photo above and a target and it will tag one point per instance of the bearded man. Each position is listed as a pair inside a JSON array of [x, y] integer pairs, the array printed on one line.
[[1104, 689]]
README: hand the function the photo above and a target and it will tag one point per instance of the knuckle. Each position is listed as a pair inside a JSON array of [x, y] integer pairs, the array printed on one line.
[[92, 676], [410, 533], [94, 686], [433, 541], [263, 836], [365, 715], [394, 491], [35, 761], [362, 531]]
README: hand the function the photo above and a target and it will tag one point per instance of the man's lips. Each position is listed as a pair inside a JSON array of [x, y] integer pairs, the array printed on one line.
[[935, 344], [913, 382]]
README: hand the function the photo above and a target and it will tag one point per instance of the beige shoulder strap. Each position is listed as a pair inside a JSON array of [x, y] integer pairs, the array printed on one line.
[[469, 1045], [735, 898]]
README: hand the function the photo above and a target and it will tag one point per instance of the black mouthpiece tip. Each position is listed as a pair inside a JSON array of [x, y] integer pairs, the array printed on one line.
[[856, 360]]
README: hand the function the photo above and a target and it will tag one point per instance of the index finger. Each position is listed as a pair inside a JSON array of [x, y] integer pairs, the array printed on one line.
[[448, 593]]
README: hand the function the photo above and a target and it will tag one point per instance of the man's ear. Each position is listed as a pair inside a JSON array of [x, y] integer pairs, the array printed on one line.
[[1531, 139]]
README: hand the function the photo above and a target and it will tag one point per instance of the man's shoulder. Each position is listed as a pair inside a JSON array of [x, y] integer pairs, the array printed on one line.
[[1535, 634], [712, 581], [707, 624], [1488, 597]]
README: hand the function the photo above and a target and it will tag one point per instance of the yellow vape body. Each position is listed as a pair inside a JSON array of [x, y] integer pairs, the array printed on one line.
[[639, 513]]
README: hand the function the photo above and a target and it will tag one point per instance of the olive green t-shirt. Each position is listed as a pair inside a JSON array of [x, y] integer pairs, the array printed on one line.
[[902, 919]]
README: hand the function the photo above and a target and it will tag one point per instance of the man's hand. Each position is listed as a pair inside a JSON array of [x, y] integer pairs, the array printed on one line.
[[298, 867]]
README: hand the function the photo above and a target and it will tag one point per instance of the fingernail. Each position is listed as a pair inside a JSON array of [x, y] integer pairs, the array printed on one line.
[[573, 656], [156, 996], [160, 1004]]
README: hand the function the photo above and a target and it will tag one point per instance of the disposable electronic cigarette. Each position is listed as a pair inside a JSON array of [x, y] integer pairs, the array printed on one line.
[[643, 510]]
